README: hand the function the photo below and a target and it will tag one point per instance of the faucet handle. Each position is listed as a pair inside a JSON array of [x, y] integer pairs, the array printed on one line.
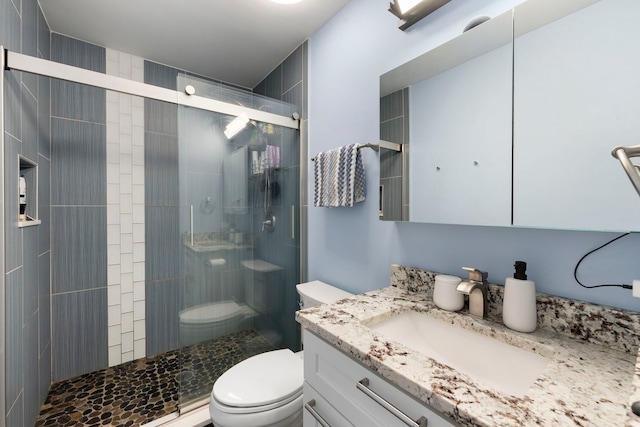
[[476, 275]]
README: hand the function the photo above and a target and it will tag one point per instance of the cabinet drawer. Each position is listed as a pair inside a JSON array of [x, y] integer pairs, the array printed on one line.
[[336, 376], [323, 410]]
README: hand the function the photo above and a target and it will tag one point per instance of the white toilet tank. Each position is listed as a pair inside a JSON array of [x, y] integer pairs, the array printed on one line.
[[263, 285], [313, 294]]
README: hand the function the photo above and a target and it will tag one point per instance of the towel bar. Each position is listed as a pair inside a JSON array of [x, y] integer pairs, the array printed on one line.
[[376, 147]]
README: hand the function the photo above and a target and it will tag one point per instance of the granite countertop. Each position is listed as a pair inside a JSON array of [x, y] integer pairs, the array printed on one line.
[[212, 242], [584, 384]]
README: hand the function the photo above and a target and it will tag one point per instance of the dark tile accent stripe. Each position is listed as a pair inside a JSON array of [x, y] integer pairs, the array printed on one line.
[[30, 27], [13, 103], [31, 272], [79, 333], [163, 302], [79, 102], [44, 119], [78, 163], [31, 371], [10, 26], [13, 234], [78, 53], [292, 69], [44, 204], [44, 306], [161, 170], [14, 336], [163, 249], [80, 250], [160, 117], [160, 75], [391, 106], [44, 36]]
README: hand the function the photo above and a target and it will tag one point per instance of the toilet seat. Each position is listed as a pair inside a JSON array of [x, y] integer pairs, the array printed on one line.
[[263, 390], [261, 382]]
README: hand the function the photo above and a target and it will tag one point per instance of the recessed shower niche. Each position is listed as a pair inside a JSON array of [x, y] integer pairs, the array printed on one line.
[[27, 193]]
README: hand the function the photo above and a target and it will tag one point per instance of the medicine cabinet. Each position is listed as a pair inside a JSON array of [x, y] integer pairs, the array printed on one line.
[[513, 122]]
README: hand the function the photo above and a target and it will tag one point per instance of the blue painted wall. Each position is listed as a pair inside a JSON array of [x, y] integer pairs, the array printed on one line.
[[351, 248]]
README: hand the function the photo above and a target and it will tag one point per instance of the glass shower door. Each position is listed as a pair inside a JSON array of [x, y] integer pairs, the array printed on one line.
[[239, 201]]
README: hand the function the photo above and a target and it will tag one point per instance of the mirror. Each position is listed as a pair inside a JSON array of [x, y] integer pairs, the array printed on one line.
[[451, 109], [458, 99], [576, 97]]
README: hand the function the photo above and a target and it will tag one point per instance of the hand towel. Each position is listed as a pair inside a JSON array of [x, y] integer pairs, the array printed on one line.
[[339, 177]]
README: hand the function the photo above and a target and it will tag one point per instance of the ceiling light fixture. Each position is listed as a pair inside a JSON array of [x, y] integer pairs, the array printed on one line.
[[236, 126], [406, 5], [411, 11], [286, 1]]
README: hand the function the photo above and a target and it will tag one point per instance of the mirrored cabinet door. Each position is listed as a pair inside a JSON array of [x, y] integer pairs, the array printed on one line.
[[461, 143], [576, 97]]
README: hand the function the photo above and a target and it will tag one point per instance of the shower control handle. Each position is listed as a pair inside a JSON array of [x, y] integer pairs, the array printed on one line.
[[269, 223]]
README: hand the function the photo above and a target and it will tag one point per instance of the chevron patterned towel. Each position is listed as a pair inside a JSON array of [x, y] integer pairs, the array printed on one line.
[[339, 177]]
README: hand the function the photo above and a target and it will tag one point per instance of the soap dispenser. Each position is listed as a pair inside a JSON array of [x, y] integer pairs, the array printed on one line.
[[519, 305]]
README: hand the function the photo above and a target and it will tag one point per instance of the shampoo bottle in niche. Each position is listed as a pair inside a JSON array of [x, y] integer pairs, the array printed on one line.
[[519, 305], [22, 187]]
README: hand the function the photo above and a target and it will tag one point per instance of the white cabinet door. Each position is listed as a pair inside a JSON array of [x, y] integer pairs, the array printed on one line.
[[375, 402]]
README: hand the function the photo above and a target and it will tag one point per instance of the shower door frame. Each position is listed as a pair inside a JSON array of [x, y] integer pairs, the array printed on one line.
[[56, 70], [20, 62]]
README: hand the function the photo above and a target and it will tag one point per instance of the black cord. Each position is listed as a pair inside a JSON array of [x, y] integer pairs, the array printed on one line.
[[575, 270]]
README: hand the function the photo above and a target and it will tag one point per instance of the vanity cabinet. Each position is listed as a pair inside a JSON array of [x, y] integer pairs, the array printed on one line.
[[335, 390]]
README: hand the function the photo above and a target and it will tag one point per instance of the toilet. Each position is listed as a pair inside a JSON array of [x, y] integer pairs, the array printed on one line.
[[212, 320], [209, 321], [266, 390]]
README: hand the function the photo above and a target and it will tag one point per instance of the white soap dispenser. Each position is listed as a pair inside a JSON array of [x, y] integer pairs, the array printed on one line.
[[519, 304]]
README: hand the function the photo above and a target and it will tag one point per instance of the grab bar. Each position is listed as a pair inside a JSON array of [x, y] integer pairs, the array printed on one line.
[[363, 386], [623, 153], [310, 406]]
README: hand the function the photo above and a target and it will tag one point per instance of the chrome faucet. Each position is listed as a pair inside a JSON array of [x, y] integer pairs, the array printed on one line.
[[476, 287]]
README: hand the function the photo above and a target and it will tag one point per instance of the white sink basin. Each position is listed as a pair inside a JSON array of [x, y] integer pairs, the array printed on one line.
[[501, 366]]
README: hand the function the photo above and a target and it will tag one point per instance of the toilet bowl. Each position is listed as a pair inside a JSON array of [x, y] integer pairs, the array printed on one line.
[[209, 321], [214, 319], [266, 390]]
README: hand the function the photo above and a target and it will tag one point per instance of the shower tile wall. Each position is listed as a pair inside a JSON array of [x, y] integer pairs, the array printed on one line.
[[27, 252], [394, 127], [78, 215], [288, 82], [125, 213], [163, 256]]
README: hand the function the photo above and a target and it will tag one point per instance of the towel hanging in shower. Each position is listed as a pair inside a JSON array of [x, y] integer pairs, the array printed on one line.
[[339, 177]]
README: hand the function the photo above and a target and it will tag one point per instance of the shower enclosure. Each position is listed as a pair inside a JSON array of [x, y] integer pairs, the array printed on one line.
[[239, 202], [185, 248]]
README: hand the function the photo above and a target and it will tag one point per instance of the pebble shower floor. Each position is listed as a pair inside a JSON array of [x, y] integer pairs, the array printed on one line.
[[146, 389]]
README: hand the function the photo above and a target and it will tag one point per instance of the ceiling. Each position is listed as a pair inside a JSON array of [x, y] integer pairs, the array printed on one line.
[[234, 41]]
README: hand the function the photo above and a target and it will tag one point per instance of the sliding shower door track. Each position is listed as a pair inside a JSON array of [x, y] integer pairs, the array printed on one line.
[[43, 67]]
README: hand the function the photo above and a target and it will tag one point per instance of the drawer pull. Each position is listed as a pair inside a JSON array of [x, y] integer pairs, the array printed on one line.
[[310, 406], [363, 386]]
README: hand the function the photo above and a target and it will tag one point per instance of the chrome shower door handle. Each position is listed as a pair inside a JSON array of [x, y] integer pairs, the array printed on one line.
[[311, 407], [363, 386]]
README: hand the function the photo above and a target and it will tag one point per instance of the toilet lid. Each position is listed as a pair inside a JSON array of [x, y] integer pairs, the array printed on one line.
[[213, 312], [261, 380]]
